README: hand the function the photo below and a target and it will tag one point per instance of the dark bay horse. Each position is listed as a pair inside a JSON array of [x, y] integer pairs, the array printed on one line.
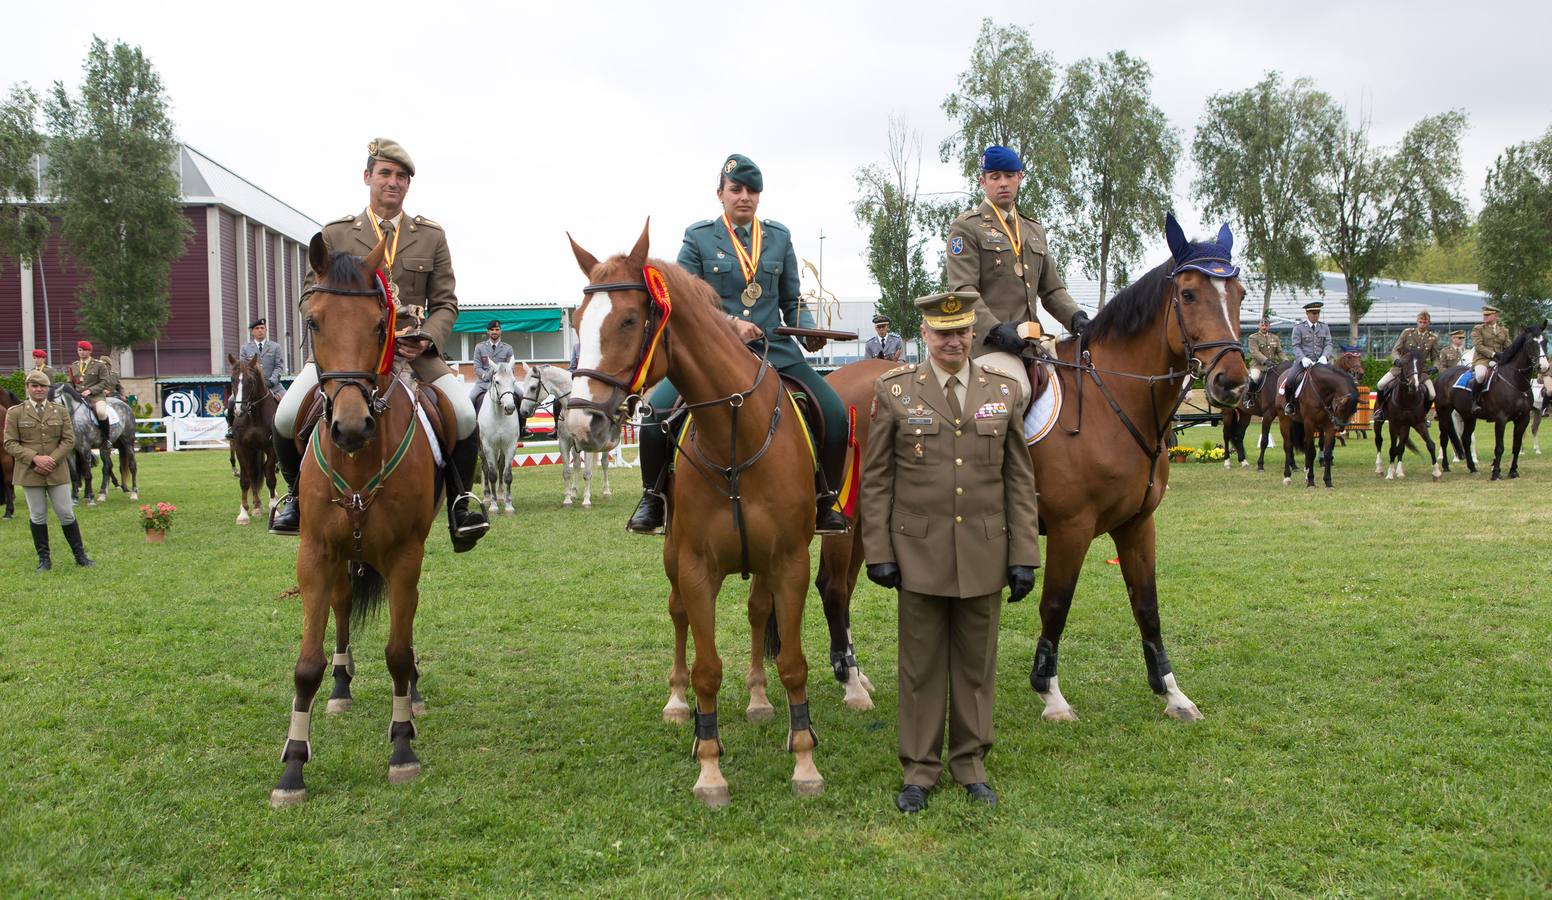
[[1259, 402], [742, 499], [1406, 410], [253, 422], [1327, 401], [370, 492], [1506, 399], [7, 464]]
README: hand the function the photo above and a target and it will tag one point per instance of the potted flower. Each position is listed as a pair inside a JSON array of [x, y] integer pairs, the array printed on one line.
[[156, 520], [1180, 453]]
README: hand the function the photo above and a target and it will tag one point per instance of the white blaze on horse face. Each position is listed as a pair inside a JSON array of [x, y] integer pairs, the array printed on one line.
[[240, 381], [1222, 287], [590, 335]]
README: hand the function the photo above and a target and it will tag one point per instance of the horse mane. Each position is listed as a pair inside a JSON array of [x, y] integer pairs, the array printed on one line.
[[345, 271], [1509, 352], [1131, 310], [680, 282]]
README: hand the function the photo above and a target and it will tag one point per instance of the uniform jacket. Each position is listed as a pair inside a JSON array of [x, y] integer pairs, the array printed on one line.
[[422, 269], [269, 360], [91, 374], [111, 380], [883, 349], [1266, 350], [953, 507], [1313, 341], [28, 434], [708, 254], [1426, 342], [1451, 356], [485, 359], [1488, 340], [980, 259]]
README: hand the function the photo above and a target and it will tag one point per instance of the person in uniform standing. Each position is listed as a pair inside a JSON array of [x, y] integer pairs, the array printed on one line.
[[1312, 343], [751, 265], [270, 364], [1422, 339], [949, 519], [40, 364], [1455, 353], [996, 252], [419, 269], [1487, 341], [884, 344], [39, 436], [90, 377], [1266, 351]]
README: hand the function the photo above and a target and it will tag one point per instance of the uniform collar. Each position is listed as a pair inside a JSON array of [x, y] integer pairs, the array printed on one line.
[[964, 374]]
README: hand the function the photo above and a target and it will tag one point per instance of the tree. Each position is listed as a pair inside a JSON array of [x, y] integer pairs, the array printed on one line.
[[1514, 232], [889, 206], [111, 156], [1377, 209], [1258, 153], [1122, 156], [1451, 263], [23, 227], [1012, 95]]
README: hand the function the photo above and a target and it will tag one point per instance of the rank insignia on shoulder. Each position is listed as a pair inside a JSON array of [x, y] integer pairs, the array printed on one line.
[[995, 371]]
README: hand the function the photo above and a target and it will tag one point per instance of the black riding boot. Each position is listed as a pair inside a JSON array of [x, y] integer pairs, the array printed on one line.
[[1290, 396], [229, 433], [1380, 399], [40, 543], [286, 518], [73, 538], [651, 515], [104, 429], [828, 519], [465, 513], [1476, 398]]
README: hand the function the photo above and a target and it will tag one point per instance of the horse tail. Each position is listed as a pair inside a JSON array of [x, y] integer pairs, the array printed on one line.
[[1411, 447], [772, 636], [367, 590]]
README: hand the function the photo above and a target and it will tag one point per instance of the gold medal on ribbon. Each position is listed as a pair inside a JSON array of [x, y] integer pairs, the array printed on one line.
[[1018, 269], [752, 293], [1015, 237], [748, 260]]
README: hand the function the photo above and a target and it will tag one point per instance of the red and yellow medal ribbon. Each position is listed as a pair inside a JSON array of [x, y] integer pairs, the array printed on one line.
[[1015, 234], [747, 259], [388, 252], [390, 337], [657, 289]]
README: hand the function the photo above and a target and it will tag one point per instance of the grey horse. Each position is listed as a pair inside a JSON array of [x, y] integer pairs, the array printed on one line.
[[121, 435]]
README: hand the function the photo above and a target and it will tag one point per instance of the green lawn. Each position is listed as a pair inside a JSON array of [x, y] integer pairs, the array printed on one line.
[[1372, 662]]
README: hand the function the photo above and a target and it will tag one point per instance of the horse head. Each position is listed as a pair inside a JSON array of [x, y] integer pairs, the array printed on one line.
[[246, 385], [1206, 299], [347, 316], [616, 326], [503, 387]]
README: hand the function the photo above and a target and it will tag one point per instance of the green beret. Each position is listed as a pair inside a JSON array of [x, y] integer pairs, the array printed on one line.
[[742, 169], [383, 148], [37, 377]]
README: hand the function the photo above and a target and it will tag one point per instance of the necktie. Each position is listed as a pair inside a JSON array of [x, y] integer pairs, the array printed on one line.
[[952, 389], [743, 235]]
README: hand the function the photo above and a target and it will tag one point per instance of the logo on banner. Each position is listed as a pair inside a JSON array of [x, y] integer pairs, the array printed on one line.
[[180, 404]]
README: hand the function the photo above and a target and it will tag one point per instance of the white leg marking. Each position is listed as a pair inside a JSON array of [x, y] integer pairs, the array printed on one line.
[[1400, 468], [1057, 709], [1176, 704]]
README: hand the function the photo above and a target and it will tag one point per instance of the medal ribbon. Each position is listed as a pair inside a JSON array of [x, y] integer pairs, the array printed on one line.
[[746, 258], [1015, 234], [388, 252], [390, 339], [657, 288]]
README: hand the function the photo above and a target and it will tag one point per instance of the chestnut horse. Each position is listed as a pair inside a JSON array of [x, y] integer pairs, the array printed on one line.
[[1261, 402], [253, 422], [742, 499], [1506, 399], [370, 491], [1406, 410], [1325, 404]]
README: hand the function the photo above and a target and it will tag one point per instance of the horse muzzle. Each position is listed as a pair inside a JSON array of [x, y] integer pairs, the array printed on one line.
[[1226, 391], [589, 429], [352, 437]]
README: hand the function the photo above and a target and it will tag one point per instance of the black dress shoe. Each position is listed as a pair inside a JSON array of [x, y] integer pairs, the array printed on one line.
[[982, 792], [912, 799]]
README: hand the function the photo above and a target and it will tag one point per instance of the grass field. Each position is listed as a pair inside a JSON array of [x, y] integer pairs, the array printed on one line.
[[1373, 663]]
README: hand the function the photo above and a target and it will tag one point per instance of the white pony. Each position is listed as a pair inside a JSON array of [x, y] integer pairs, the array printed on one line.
[[498, 423], [556, 382]]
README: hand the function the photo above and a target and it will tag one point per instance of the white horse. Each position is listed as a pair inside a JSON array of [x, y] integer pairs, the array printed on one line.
[[498, 423], [556, 382]]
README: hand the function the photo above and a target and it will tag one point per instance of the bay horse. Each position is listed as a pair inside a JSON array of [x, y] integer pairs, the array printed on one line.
[[7, 463], [499, 435], [543, 381], [1406, 410], [370, 492], [1259, 402], [1506, 399], [742, 500], [253, 422], [1327, 401]]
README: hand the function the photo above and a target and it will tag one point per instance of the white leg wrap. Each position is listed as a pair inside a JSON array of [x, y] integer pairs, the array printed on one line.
[[301, 730], [463, 407], [402, 713], [344, 659], [1055, 704]]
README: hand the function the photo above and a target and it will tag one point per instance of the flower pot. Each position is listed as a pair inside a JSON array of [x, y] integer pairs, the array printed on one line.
[[155, 535]]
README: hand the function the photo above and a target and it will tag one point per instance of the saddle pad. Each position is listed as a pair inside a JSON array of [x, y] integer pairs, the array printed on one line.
[[113, 416], [1042, 414], [1463, 383]]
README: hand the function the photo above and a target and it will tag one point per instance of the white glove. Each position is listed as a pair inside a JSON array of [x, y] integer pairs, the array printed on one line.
[[1324, 361], [1492, 364], [1307, 361]]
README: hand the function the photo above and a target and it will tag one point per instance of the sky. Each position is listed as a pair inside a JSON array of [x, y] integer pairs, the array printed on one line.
[[529, 121]]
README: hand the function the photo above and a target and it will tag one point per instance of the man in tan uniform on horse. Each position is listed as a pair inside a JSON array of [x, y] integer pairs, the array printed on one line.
[[1266, 351], [1452, 355], [1487, 341], [90, 377], [1423, 340]]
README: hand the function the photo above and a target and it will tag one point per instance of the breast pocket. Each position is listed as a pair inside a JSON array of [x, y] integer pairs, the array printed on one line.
[[993, 434], [916, 443], [416, 273]]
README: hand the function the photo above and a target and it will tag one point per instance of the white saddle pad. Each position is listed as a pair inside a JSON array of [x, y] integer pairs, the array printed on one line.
[[1041, 417]]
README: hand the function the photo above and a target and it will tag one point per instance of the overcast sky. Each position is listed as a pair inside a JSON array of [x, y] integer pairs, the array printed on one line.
[[536, 119]]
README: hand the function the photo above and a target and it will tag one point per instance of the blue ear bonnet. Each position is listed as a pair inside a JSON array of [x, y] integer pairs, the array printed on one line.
[[1211, 258]]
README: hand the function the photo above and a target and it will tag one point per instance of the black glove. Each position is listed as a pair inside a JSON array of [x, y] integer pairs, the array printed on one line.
[[1080, 321], [1005, 337], [1021, 580], [885, 575]]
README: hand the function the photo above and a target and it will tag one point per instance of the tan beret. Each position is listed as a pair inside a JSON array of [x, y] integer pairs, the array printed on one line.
[[37, 377], [383, 148]]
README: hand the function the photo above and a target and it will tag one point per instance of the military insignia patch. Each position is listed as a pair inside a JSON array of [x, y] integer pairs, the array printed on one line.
[[728, 169], [1004, 390], [952, 305], [956, 245], [894, 390]]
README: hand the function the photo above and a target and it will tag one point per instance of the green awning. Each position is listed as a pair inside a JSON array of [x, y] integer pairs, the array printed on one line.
[[473, 321]]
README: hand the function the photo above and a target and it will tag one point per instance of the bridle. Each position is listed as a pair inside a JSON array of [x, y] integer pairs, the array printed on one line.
[[531, 395], [246, 377], [372, 385], [624, 397]]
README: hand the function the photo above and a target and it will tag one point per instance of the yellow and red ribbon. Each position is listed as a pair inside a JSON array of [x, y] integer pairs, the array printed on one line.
[[747, 259], [852, 483], [390, 337], [657, 289]]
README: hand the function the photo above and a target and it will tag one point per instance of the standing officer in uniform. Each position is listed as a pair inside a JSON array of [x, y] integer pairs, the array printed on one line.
[[38, 434], [1266, 351], [948, 498], [884, 344], [268, 353], [419, 269], [487, 353], [1456, 352], [1487, 341], [1003, 256], [1422, 339], [90, 377], [40, 364], [1312, 344], [751, 265]]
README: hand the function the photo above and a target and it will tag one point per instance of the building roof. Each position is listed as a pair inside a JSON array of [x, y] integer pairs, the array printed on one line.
[[207, 181]]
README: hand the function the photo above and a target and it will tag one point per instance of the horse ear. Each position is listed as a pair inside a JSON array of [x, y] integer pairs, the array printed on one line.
[[1175, 237], [374, 260], [586, 260], [231, 360], [318, 255], [638, 254], [1226, 238]]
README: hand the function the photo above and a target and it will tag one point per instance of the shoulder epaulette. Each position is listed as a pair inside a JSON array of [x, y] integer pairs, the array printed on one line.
[[422, 220], [899, 370], [772, 223], [342, 219], [702, 224], [993, 370]]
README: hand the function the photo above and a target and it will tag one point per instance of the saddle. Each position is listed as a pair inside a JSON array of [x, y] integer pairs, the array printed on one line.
[[312, 410], [808, 410], [1039, 379]]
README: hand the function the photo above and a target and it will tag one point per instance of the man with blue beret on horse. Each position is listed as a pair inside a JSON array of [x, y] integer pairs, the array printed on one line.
[[268, 354], [39, 436], [995, 251], [1312, 343], [1487, 341], [751, 264], [419, 270]]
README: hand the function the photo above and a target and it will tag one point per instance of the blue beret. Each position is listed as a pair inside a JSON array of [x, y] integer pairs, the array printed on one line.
[[741, 169], [1000, 159]]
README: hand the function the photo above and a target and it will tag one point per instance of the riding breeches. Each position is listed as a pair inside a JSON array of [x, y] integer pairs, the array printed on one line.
[[1255, 375], [100, 409], [1480, 371], [39, 499], [307, 379]]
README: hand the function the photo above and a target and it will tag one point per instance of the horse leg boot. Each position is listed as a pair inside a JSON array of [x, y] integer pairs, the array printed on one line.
[[77, 548], [286, 517], [465, 514], [40, 542]]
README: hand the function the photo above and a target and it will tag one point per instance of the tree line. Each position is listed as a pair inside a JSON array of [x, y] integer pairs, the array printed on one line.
[[1301, 180]]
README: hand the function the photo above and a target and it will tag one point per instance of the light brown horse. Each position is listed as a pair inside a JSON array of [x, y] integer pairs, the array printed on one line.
[[741, 501], [253, 422], [370, 492]]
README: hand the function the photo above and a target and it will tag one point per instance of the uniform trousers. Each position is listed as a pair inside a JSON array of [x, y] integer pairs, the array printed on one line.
[[947, 661], [447, 383], [39, 498]]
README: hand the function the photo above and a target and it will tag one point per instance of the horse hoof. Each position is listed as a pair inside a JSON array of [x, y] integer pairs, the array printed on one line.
[[1438, 477], [1287, 482], [404, 773], [1060, 715], [418, 708], [338, 705], [715, 797], [1513, 474], [134, 495], [1184, 713], [760, 713], [676, 715], [1244, 464], [1228, 464], [565, 504], [279, 799], [860, 702], [808, 788], [1390, 478], [587, 504], [242, 520]]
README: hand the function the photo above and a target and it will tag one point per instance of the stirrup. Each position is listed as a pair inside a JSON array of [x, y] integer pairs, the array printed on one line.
[[467, 528], [643, 520]]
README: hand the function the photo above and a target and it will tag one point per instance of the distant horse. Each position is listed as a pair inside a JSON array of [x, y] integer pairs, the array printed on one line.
[[7, 464], [499, 436], [253, 422], [1261, 401], [121, 436], [553, 381], [370, 492], [1507, 398], [741, 501], [1406, 410], [1540, 410], [1351, 362], [1327, 401]]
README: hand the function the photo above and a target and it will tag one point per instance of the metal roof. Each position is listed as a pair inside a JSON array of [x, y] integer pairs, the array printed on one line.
[[207, 181]]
